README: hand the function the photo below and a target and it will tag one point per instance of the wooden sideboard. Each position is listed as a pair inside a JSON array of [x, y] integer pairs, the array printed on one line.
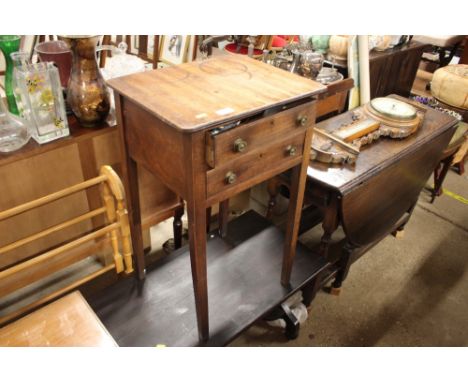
[[392, 71]]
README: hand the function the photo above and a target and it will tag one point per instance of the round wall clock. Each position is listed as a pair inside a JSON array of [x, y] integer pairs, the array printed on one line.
[[398, 119]]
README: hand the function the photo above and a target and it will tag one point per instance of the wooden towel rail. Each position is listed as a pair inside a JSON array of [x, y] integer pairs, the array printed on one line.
[[115, 230]]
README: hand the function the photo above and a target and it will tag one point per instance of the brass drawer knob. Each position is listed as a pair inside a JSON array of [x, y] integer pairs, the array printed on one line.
[[291, 150], [230, 177], [240, 145], [302, 120]]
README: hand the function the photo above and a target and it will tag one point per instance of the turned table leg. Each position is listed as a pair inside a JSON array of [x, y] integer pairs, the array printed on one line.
[[329, 225], [344, 265]]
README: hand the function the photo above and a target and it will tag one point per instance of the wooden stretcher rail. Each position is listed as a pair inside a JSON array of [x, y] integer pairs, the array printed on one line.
[[53, 229], [58, 251], [51, 197]]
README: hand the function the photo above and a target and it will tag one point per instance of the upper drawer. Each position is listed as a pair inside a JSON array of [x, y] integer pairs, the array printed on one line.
[[224, 146]]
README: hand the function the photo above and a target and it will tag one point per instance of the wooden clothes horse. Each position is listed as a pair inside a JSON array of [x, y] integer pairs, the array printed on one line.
[[24, 273]]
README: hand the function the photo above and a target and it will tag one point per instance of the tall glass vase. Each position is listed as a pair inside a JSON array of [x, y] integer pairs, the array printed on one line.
[[14, 131], [87, 94], [8, 45]]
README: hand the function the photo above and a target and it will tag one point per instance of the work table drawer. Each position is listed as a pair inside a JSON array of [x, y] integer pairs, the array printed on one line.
[[257, 165], [236, 141]]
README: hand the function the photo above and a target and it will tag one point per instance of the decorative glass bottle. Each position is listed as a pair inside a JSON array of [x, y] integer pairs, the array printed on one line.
[[14, 132], [86, 94], [8, 45], [20, 60]]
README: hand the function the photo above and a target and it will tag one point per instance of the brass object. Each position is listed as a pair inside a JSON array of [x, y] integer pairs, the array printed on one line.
[[87, 93], [231, 177], [382, 117], [291, 150], [302, 120], [392, 124], [327, 148], [240, 145]]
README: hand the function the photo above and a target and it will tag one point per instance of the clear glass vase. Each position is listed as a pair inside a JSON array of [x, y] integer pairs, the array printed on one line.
[[20, 60], [8, 45], [14, 131]]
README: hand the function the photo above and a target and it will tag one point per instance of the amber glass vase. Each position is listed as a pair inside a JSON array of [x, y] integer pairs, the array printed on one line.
[[87, 94]]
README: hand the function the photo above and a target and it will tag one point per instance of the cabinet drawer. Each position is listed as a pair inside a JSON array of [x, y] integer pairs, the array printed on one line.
[[258, 165], [225, 146]]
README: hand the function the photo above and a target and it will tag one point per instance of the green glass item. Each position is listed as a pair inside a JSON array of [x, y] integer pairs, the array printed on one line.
[[8, 45], [320, 43]]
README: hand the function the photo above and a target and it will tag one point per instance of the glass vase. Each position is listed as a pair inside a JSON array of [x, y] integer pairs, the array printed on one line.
[[87, 93], [42, 101], [8, 45], [19, 60], [14, 131]]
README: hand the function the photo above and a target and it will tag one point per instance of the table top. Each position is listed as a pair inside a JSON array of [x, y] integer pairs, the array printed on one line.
[[69, 321], [377, 155], [198, 95]]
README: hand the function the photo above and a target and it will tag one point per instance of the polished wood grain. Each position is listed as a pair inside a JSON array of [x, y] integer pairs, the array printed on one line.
[[221, 147], [250, 168], [376, 204], [68, 321], [195, 96]]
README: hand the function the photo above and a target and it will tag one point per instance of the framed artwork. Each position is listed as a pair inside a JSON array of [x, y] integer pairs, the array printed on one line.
[[193, 48], [173, 49]]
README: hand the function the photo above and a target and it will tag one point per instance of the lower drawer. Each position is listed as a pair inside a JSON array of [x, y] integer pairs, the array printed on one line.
[[252, 168]]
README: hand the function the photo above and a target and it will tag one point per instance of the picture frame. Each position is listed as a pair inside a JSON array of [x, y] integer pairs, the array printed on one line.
[[173, 49]]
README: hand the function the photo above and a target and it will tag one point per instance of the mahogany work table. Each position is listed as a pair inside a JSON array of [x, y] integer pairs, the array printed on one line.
[[208, 131]]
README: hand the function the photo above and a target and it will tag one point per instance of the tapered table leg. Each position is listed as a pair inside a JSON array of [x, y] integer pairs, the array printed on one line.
[[298, 181], [196, 213], [130, 177]]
